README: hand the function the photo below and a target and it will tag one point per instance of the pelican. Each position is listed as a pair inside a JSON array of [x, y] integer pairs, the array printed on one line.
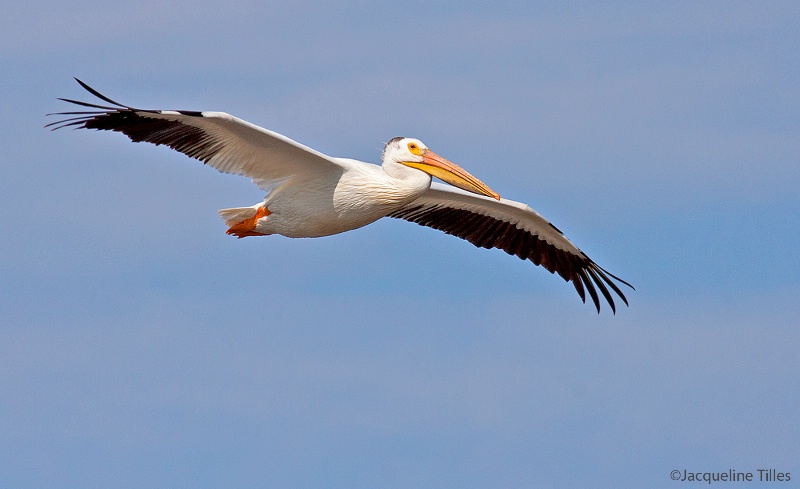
[[310, 194]]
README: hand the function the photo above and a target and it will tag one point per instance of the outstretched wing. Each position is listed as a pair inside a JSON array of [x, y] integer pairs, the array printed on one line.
[[220, 140], [514, 228]]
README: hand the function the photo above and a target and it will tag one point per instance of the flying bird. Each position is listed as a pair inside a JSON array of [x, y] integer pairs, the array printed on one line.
[[310, 194]]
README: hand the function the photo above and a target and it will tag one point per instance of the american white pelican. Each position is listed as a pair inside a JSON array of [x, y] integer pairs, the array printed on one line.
[[311, 194]]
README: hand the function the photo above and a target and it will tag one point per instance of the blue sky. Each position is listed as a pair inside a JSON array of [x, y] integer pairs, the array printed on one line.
[[142, 347]]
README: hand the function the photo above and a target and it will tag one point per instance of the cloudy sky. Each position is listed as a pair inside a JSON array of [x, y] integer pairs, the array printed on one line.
[[142, 347]]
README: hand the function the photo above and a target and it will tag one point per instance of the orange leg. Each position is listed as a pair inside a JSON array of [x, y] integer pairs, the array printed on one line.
[[246, 228]]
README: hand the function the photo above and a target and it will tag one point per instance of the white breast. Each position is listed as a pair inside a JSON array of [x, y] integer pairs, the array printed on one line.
[[363, 194]]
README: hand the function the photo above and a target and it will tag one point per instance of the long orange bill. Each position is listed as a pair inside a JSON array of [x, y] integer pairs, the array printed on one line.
[[451, 173]]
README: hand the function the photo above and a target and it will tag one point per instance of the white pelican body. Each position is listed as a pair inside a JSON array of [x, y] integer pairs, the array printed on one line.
[[310, 194], [360, 194]]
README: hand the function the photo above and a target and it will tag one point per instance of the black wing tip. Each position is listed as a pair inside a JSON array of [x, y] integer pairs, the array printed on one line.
[[105, 109], [84, 116], [87, 116], [100, 95], [591, 276], [615, 277], [603, 277]]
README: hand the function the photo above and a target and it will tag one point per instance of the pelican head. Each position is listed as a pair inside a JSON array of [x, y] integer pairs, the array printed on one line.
[[413, 153]]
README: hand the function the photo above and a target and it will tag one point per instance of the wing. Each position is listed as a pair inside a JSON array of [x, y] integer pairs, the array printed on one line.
[[220, 140], [514, 228]]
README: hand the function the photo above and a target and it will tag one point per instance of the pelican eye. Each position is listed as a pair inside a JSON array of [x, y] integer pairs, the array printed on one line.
[[414, 148]]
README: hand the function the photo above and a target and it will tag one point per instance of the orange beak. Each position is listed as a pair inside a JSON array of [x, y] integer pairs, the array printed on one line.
[[451, 173]]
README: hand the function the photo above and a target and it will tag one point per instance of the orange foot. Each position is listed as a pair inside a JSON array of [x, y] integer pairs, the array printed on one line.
[[246, 228]]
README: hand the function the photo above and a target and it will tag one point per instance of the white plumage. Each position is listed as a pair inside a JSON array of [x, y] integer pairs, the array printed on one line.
[[310, 194]]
